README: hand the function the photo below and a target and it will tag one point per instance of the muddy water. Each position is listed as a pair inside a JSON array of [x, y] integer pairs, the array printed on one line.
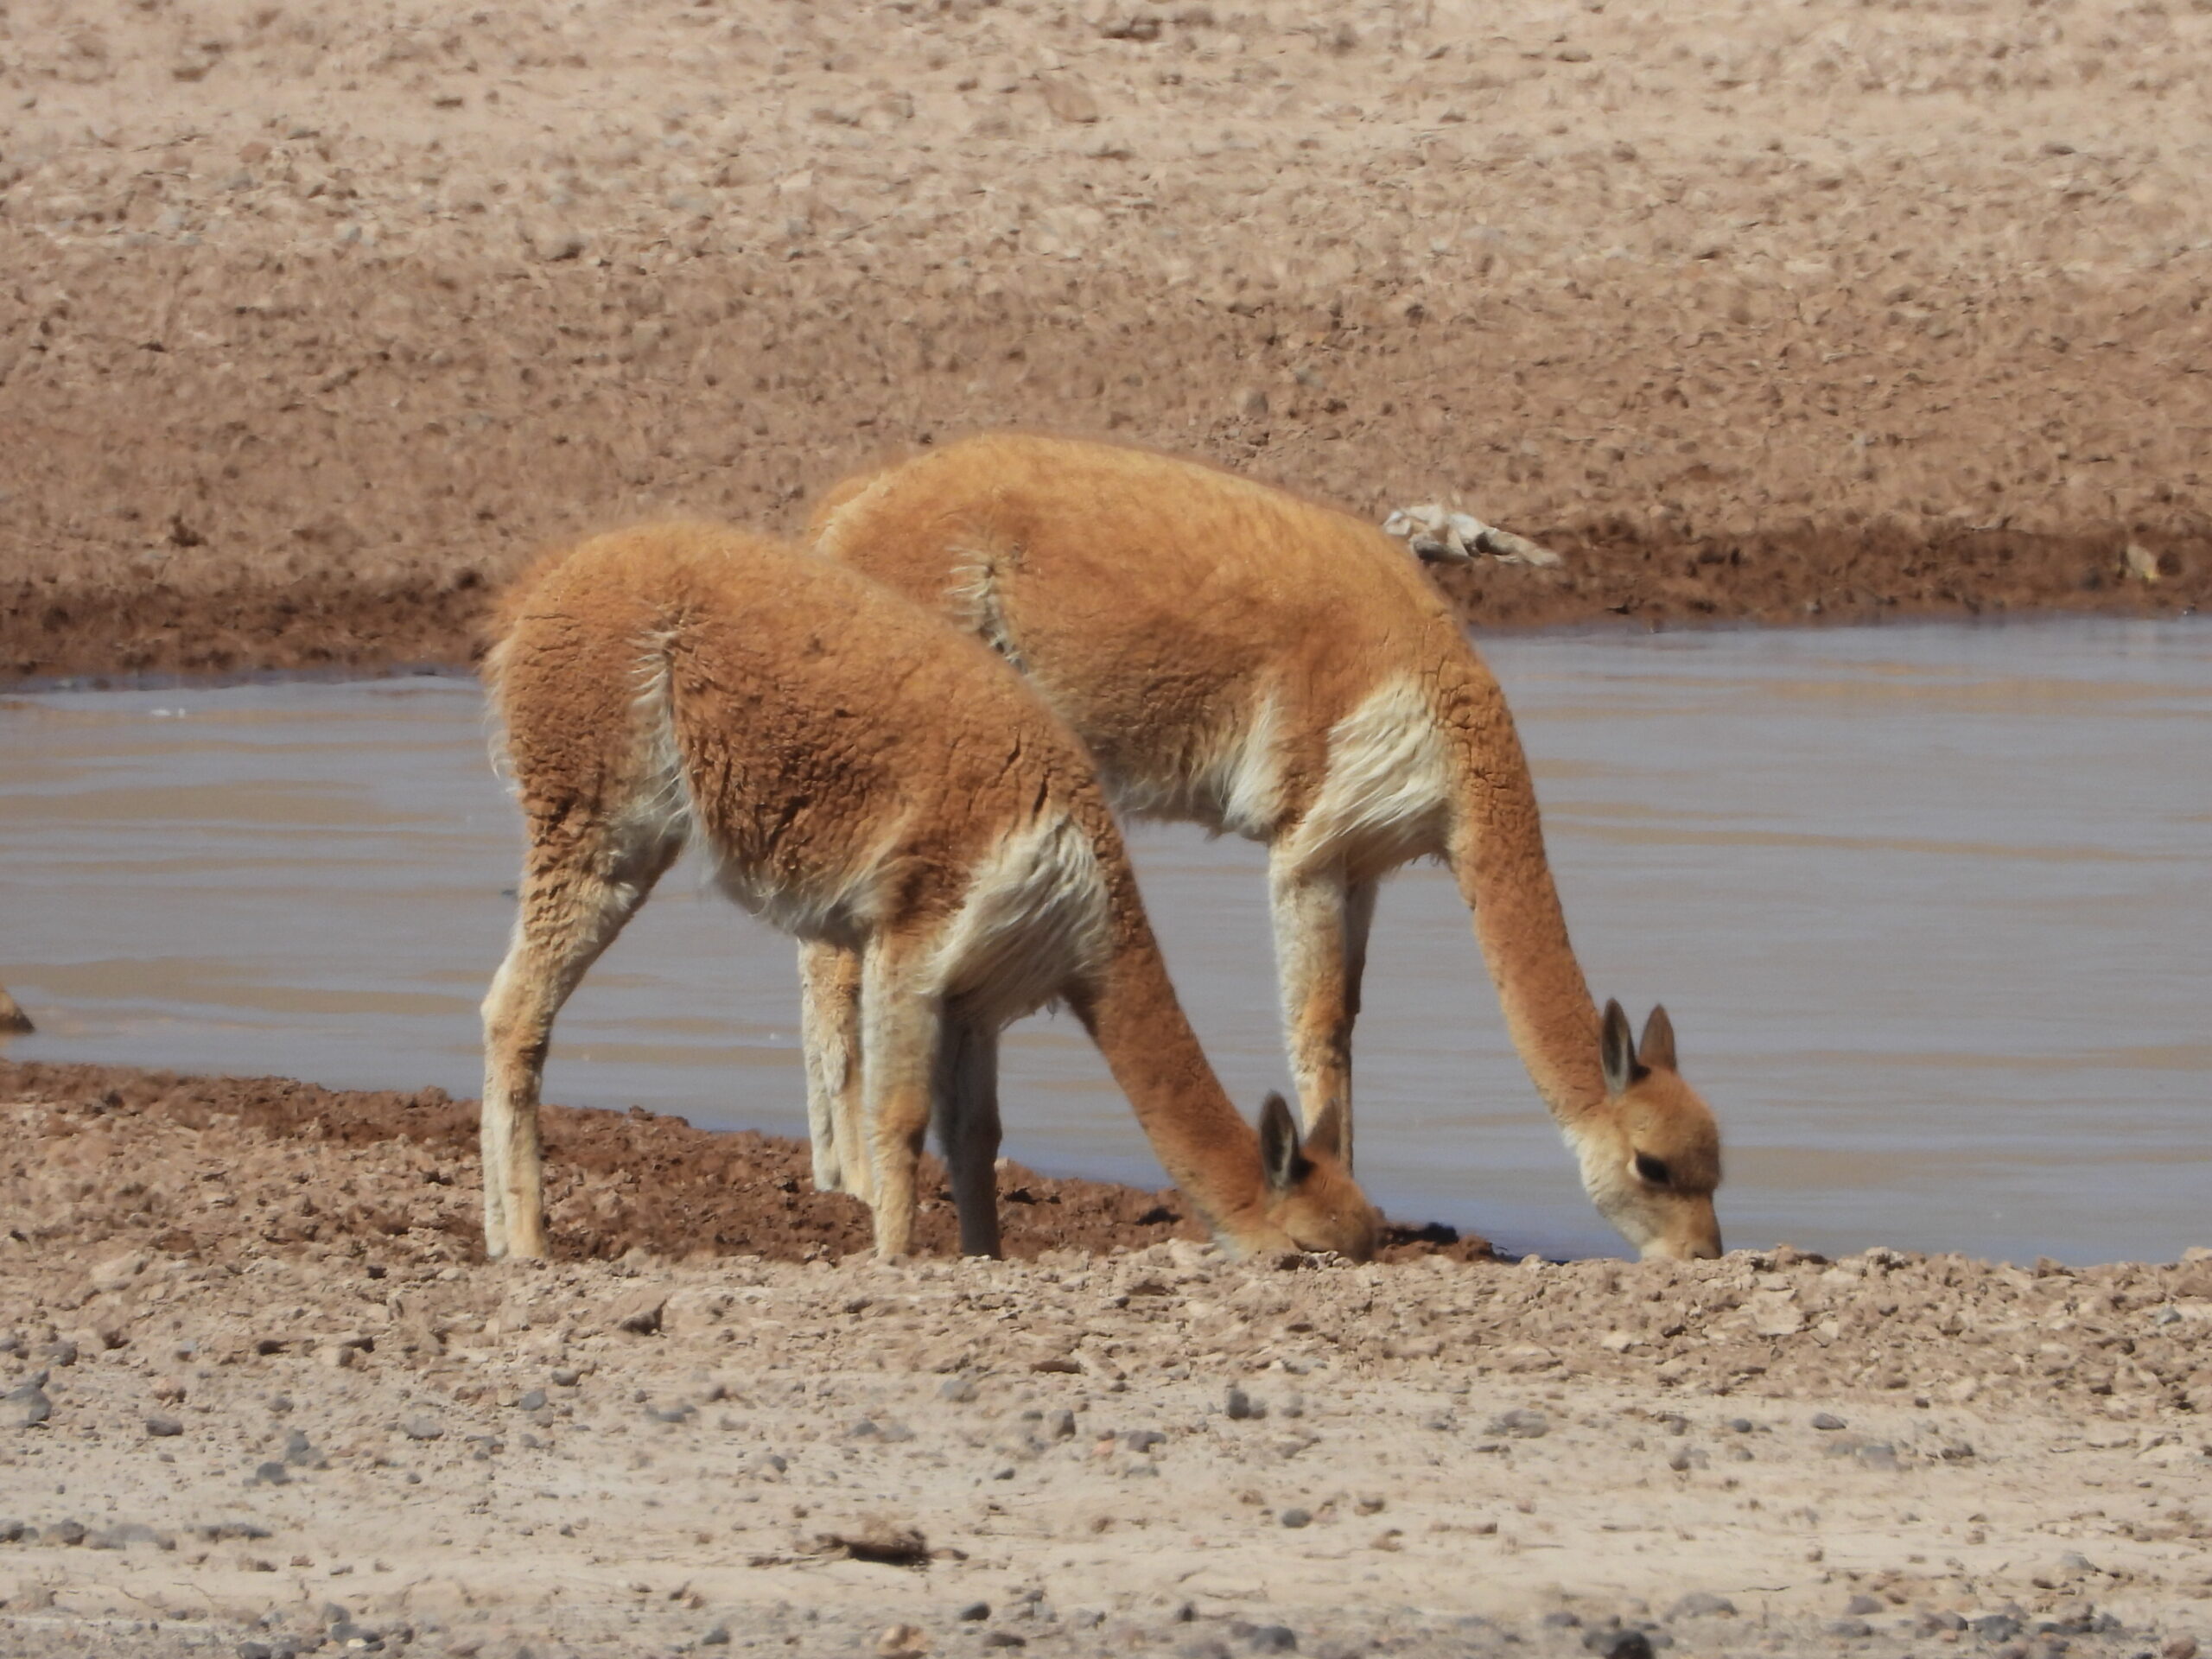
[[1929, 906]]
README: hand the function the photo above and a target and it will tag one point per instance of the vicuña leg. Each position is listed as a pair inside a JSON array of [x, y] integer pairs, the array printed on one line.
[[900, 1034], [569, 912], [968, 1129], [1321, 921], [829, 1014]]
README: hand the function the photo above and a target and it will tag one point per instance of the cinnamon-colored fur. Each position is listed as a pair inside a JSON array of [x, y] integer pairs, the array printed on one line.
[[1235, 655], [871, 781]]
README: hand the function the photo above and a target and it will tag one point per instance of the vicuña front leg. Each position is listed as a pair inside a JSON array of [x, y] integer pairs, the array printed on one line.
[[968, 1128], [900, 1034], [829, 1017], [1321, 923], [567, 917]]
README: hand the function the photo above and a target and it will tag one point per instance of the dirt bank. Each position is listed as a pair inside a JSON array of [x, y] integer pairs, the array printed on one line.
[[254, 1388], [317, 323]]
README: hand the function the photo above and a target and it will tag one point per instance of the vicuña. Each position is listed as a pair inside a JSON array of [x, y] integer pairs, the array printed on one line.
[[1236, 656]]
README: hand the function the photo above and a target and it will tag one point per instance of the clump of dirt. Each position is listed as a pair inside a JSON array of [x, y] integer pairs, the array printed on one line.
[[237, 1165]]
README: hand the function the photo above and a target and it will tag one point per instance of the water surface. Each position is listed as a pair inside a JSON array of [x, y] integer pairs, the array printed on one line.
[[1929, 906]]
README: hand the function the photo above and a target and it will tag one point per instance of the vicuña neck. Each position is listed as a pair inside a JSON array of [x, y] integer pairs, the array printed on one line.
[[1498, 854], [1129, 1007]]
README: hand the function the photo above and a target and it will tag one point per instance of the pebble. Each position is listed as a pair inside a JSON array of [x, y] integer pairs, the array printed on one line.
[[533, 1401], [565, 1378], [1271, 1638], [1297, 1518], [974, 1611], [268, 1474], [1522, 1425], [25, 1406], [717, 1638], [959, 1390], [422, 1428], [164, 1427], [1858, 1606], [1703, 1604], [1855, 1627], [1240, 1407], [1828, 1420]]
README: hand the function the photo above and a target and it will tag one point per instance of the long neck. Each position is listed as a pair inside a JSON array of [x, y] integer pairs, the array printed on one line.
[[1498, 854], [1129, 1007]]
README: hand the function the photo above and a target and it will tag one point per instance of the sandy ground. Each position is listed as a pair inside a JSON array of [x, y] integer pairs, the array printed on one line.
[[317, 319], [255, 1389]]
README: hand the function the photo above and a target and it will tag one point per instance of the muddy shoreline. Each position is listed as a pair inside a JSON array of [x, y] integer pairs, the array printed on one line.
[[1615, 578]]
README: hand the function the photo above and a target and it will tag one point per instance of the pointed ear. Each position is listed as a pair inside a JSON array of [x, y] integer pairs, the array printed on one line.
[[1326, 1137], [1656, 1051], [1278, 1144], [1614, 1058]]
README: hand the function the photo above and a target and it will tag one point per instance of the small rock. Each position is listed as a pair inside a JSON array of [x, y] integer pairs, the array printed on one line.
[[1859, 1606], [959, 1390], [1251, 403], [61, 1351], [1005, 1639], [2182, 1647], [161, 1427], [24, 1407], [1272, 1638], [1070, 101], [717, 1638], [422, 1428], [118, 1270], [1142, 1439], [65, 1532], [1850, 1627], [255, 1650], [1240, 1407], [1521, 1425], [1702, 1604], [1934, 1622], [1060, 1424], [300, 1452], [1826, 1420], [533, 1401], [1997, 1627], [974, 1611], [268, 1474], [1296, 1518], [640, 1314], [1620, 1644], [901, 1640]]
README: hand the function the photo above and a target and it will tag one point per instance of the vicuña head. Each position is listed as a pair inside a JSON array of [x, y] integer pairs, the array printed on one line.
[[1311, 1197], [1651, 1158]]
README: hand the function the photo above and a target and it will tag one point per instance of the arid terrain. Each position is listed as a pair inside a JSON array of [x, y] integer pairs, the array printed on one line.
[[257, 1391], [316, 320]]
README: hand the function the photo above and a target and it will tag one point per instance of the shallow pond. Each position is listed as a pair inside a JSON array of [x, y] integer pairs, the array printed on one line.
[[1929, 906]]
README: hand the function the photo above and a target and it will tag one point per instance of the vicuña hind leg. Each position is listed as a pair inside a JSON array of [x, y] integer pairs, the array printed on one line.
[[900, 1036], [569, 913], [830, 1016], [968, 1129], [1321, 921]]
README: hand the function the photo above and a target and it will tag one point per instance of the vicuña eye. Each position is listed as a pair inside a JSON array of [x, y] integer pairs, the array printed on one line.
[[1651, 1169]]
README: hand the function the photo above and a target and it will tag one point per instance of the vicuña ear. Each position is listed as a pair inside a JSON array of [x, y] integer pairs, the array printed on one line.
[[1656, 1051], [1614, 1058], [1326, 1137], [1278, 1144]]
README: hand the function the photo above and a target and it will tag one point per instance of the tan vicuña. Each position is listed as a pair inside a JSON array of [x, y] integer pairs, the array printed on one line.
[[880, 785], [1237, 656]]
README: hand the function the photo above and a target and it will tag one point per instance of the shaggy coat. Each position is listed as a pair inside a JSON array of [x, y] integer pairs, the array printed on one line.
[[1237, 656], [891, 794]]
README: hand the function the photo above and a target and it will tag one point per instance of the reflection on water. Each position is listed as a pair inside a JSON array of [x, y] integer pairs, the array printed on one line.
[[1927, 905]]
